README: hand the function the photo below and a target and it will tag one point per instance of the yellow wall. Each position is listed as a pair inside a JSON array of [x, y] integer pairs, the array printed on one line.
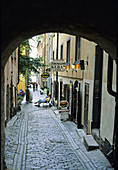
[[21, 84]]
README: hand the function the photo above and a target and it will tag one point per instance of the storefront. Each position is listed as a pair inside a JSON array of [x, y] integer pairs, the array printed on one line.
[[75, 102]]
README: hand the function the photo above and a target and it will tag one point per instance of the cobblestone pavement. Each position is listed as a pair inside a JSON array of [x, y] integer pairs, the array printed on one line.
[[39, 140]]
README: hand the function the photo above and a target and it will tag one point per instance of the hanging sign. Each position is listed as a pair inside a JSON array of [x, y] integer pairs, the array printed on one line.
[[45, 75], [58, 65]]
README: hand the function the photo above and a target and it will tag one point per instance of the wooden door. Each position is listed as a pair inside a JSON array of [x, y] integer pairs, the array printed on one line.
[[86, 104]]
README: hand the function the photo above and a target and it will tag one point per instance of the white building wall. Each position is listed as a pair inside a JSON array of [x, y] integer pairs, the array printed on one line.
[[108, 104], [107, 115]]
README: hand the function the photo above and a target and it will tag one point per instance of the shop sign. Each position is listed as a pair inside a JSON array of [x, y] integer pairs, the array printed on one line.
[[58, 65], [45, 75]]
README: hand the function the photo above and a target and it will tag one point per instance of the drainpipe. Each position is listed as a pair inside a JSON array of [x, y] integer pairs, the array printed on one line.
[[109, 77], [115, 94], [116, 121]]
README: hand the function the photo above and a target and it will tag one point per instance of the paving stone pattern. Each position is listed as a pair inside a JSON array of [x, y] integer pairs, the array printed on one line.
[[39, 140]]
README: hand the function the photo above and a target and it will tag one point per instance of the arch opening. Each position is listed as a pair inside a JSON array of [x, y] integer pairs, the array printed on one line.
[[76, 93]]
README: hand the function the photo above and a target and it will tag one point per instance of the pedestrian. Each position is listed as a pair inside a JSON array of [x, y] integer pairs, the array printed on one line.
[[33, 86], [41, 91], [45, 100], [27, 94], [21, 92], [36, 86], [47, 91], [30, 96]]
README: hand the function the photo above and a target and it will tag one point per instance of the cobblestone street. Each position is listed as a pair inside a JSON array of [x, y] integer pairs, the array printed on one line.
[[38, 139]]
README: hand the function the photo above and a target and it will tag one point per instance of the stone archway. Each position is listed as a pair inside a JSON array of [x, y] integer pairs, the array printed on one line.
[[88, 19]]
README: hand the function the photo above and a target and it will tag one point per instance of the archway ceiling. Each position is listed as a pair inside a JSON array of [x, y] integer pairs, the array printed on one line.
[[93, 20]]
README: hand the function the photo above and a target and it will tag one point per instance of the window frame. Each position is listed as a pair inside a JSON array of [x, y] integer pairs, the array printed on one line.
[[77, 48], [68, 51], [61, 52]]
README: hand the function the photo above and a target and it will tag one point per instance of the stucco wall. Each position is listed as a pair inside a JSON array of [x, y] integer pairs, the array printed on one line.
[[107, 115], [10, 70], [108, 104], [88, 51]]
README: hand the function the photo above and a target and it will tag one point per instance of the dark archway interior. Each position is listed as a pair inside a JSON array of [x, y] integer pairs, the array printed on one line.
[[93, 20]]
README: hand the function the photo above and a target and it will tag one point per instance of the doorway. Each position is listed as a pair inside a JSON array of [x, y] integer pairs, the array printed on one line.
[[78, 105], [86, 104], [97, 93], [7, 104], [75, 99]]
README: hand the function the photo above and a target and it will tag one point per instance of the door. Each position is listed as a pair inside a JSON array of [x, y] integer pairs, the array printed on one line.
[[71, 101], [61, 83], [66, 92], [7, 103], [97, 93], [86, 104], [75, 109], [78, 106], [11, 99]]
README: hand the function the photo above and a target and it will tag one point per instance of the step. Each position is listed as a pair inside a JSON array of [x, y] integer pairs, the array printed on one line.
[[90, 143], [12, 121], [81, 134], [64, 116]]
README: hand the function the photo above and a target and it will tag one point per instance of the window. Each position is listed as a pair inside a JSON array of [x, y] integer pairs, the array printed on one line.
[[68, 52], [61, 57], [77, 48], [15, 54], [12, 58], [53, 55], [49, 55]]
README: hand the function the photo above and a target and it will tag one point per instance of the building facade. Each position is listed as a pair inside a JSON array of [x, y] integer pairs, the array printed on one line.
[[11, 80], [83, 84]]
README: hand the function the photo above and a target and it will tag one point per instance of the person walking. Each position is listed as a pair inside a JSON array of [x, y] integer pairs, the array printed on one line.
[[33, 86], [47, 91], [27, 94], [30, 96], [36, 86]]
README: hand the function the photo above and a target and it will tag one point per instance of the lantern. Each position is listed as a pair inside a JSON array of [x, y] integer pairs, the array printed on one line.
[[77, 65], [73, 66], [67, 67]]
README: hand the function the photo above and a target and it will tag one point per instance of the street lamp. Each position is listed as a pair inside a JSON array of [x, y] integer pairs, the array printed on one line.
[[73, 66], [67, 67]]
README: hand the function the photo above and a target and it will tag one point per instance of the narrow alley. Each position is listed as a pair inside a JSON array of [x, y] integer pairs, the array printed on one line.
[[37, 139]]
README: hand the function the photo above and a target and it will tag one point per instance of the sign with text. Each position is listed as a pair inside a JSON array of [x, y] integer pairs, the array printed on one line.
[[45, 75], [58, 65]]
